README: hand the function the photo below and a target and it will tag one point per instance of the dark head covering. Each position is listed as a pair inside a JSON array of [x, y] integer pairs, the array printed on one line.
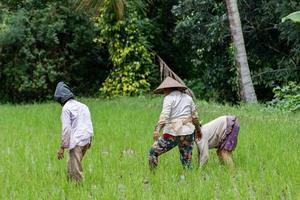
[[63, 93]]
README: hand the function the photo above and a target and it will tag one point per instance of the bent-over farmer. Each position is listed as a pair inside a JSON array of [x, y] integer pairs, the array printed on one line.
[[77, 130], [179, 120], [220, 133]]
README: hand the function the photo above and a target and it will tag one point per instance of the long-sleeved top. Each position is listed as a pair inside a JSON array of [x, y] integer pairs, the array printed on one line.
[[213, 133], [176, 117], [77, 128]]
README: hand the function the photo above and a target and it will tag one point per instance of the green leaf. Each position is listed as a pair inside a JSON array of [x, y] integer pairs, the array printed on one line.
[[295, 17]]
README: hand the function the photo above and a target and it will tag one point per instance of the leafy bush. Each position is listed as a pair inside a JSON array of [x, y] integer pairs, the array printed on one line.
[[42, 44], [128, 51], [287, 97]]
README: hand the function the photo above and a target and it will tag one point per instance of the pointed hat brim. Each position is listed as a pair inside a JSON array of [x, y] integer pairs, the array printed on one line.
[[169, 83]]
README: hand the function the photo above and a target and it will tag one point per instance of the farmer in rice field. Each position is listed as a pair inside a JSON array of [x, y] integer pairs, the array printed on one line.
[[179, 121], [77, 130], [220, 133]]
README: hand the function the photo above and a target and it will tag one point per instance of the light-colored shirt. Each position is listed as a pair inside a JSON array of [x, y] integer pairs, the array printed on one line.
[[213, 133], [77, 128], [178, 111]]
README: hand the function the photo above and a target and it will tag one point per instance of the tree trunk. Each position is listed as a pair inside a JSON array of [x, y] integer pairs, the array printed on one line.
[[247, 91]]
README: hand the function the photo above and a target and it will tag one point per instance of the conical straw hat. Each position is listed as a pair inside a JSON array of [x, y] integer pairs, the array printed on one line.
[[169, 83]]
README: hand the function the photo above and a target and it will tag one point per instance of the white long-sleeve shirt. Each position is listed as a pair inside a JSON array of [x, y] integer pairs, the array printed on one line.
[[178, 111], [77, 128], [213, 133]]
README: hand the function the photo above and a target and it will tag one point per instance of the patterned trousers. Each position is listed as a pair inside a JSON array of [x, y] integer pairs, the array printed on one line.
[[168, 142]]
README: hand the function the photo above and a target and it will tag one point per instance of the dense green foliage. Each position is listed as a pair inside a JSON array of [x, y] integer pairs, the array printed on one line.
[[267, 155], [128, 51], [44, 43], [287, 97], [272, 47], [202, 30]]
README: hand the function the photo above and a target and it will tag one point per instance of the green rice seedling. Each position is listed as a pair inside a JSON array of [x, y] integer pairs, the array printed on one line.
[[267, 155]]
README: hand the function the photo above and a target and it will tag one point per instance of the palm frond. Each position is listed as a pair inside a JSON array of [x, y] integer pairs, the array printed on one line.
[[93, 6], [295, 17], [90, 6], [119, 8]]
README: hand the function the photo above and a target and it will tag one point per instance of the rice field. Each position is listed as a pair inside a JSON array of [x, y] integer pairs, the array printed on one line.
[[267, 155]]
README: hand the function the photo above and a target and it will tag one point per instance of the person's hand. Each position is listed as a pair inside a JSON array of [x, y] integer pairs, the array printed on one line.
[[60, 153], [198, 135], [155, 135]]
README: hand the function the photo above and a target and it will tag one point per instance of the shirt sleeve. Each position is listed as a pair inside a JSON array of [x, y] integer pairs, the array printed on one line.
[[202, 152], [91, 123], [165, 114], [66, 128]]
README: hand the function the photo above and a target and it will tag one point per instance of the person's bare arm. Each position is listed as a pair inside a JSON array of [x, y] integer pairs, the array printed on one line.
[[196, 122]]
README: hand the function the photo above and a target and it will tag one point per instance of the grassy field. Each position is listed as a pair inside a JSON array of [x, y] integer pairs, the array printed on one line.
[[267, 156]]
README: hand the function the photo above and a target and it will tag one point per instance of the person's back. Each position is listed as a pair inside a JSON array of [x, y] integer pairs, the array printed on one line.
[[214, 131], [78, 116], [181, 104], [177, 114]]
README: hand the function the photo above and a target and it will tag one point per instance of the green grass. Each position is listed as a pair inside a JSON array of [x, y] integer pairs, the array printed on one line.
[[267, 156]]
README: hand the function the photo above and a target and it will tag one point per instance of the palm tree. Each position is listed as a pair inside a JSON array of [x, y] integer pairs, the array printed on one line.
[[247, 91]]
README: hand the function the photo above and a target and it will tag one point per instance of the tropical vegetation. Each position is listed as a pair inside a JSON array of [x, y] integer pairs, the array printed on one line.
[[109, 47]]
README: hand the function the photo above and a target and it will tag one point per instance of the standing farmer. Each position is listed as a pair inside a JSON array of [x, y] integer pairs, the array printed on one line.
[[220, 133], [178, 119], [77, 130]]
